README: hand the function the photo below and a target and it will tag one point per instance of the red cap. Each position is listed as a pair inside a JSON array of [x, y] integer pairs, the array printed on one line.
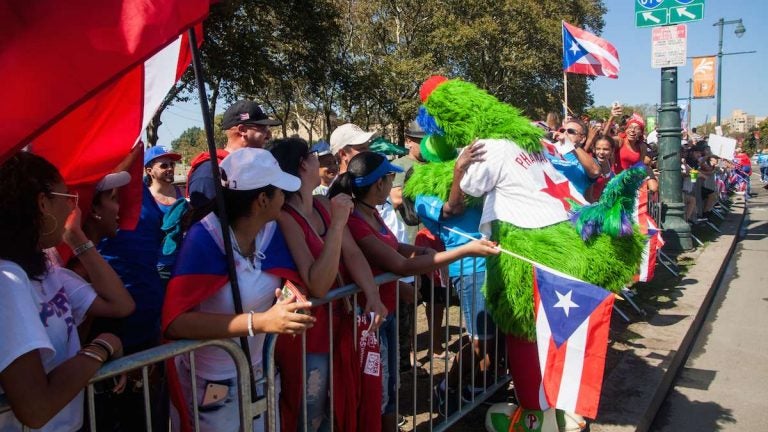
[[429, 85]]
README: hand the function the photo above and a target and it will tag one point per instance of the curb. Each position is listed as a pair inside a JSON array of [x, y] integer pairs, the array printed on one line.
[[681, 354], [637, 386]]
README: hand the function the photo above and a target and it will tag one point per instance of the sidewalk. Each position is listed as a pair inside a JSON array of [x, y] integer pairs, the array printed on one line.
[[647, 354]]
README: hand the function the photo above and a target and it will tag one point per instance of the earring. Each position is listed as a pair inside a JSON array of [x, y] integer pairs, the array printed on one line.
[[55, 224], [96, 216]]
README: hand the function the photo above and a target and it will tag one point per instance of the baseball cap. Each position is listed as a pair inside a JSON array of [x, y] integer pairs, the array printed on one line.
[[414, 130], [252, 168], [349, 135], [155, 152], [246, 112], [321, 147], [113, 180]]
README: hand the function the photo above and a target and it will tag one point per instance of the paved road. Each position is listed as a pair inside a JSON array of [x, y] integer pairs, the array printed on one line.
[[724, 384]]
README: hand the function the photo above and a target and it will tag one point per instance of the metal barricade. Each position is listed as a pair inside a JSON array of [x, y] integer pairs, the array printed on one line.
[[144, 359], [421, 390]]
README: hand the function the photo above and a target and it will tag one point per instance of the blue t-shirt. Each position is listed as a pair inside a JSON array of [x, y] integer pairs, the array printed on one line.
[[134, 254], [573, 170], [429, 209], [762, 160]]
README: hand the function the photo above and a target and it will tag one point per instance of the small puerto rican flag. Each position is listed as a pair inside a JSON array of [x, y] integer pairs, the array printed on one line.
[[572, 322]]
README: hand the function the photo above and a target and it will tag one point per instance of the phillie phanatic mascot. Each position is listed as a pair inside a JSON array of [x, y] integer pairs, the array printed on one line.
[[530, 209]]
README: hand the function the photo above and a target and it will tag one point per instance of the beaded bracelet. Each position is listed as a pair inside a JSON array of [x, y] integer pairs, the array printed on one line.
[[82, 248]]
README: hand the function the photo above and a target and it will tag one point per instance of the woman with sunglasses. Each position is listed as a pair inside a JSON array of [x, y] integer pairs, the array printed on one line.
[[368, 181], [43, 367]]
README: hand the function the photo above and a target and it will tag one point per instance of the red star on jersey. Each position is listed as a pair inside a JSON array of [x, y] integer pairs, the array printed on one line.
[[560, 191]]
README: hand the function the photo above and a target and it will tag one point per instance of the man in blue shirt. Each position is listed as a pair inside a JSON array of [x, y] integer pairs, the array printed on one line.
[[578, 166], [467, 275]]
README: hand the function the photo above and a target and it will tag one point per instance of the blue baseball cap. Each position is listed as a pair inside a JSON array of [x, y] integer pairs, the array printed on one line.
[[385, 168], [321, 147], [155, 152]]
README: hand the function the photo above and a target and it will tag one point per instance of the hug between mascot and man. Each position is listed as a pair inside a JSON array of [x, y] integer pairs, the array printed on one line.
[[531, 210]]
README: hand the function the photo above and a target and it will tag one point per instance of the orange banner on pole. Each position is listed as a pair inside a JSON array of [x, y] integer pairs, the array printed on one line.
[[704, 77]]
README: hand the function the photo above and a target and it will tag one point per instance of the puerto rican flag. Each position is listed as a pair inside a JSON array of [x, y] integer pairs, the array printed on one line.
[[650, 228], [572, 322], [587, 54], [87, 76]]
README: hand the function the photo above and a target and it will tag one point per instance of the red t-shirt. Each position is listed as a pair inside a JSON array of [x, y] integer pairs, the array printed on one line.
[[626, 157], [360, 230]]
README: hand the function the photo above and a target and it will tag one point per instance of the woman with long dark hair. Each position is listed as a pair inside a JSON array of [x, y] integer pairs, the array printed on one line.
[[368, 180], [43, 367]]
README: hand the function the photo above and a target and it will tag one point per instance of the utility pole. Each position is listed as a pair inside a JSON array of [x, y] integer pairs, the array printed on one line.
[[677, 232], [739, 32], [690, 98]]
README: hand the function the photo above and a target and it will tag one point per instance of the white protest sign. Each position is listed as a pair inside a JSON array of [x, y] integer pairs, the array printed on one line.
[[668, 46], [722, 146]]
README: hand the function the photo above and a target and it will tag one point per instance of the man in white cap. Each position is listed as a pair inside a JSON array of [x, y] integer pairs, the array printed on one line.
[[348, 140]]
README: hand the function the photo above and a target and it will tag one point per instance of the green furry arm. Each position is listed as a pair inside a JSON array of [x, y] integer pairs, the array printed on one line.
[[434, 179]]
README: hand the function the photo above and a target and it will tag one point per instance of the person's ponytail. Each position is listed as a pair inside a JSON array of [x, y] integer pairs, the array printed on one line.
[[342, 184]]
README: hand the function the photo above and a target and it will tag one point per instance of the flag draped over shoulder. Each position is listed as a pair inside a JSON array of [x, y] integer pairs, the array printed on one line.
[[84, 78], [587, 54], [572, 322]]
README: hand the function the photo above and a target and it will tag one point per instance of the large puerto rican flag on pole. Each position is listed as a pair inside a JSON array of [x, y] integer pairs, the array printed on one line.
[[83, 78], [572, 322], [587, 54]]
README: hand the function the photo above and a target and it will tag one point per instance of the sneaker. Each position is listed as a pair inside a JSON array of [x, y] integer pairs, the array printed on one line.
[[401, 421], [443, 406]]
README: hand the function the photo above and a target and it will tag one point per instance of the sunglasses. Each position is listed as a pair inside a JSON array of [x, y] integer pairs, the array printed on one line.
[[569, 131], [166, 165], [74, 197]]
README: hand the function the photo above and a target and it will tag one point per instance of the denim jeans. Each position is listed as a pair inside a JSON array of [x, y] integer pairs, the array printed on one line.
[[389, 369], [317, 393], [469, 290]]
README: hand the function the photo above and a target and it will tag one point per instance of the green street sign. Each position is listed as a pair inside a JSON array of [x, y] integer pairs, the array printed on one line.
[[653, 13], [651, 18], [684, 14]]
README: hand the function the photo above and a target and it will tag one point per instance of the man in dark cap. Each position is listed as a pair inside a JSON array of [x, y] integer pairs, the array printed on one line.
[[246, 125], [413, 136]]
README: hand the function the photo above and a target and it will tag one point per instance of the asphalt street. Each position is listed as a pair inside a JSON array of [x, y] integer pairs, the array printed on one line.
[[724, 384]]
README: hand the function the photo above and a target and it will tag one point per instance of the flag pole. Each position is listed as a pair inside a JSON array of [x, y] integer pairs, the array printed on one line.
[[565, 74], [565, 89], [197, 65]]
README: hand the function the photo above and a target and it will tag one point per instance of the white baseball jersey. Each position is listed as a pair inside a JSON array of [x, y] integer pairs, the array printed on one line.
[[520, 187]]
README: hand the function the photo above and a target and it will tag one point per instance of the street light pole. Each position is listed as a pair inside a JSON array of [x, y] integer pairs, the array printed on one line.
[[739, 33]]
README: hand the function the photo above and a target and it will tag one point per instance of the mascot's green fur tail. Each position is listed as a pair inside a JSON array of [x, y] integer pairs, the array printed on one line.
[[604, 261]]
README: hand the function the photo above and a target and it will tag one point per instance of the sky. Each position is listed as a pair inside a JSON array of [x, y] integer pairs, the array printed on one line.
[[744, 85]]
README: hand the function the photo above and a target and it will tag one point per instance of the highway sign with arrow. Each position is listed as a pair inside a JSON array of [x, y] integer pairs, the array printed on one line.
[[653, 13]]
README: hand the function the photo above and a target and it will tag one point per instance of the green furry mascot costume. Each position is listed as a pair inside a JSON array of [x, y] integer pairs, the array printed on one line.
[[528, 208]]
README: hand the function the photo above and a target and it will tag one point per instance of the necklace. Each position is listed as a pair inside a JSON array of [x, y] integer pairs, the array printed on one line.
[[365, 204]]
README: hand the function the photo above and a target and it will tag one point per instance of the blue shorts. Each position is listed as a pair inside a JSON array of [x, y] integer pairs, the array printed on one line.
[[469, 289]]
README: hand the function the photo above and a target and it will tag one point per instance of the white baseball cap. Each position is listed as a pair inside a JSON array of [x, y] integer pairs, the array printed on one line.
[[253, 168], [349, 135], [114, 180]]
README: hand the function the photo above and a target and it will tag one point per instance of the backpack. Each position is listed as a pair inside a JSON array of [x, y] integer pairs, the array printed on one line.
[[407, 209]]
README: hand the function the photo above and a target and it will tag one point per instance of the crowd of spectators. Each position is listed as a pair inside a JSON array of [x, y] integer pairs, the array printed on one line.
[[78, 291]]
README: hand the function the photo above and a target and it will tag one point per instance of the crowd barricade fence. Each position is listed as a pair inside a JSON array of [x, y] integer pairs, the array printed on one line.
[[420, 409]]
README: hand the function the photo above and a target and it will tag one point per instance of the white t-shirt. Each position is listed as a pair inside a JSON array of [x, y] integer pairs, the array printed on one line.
[[521, 188], [396, 225], [257, 291], [42, 316]]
